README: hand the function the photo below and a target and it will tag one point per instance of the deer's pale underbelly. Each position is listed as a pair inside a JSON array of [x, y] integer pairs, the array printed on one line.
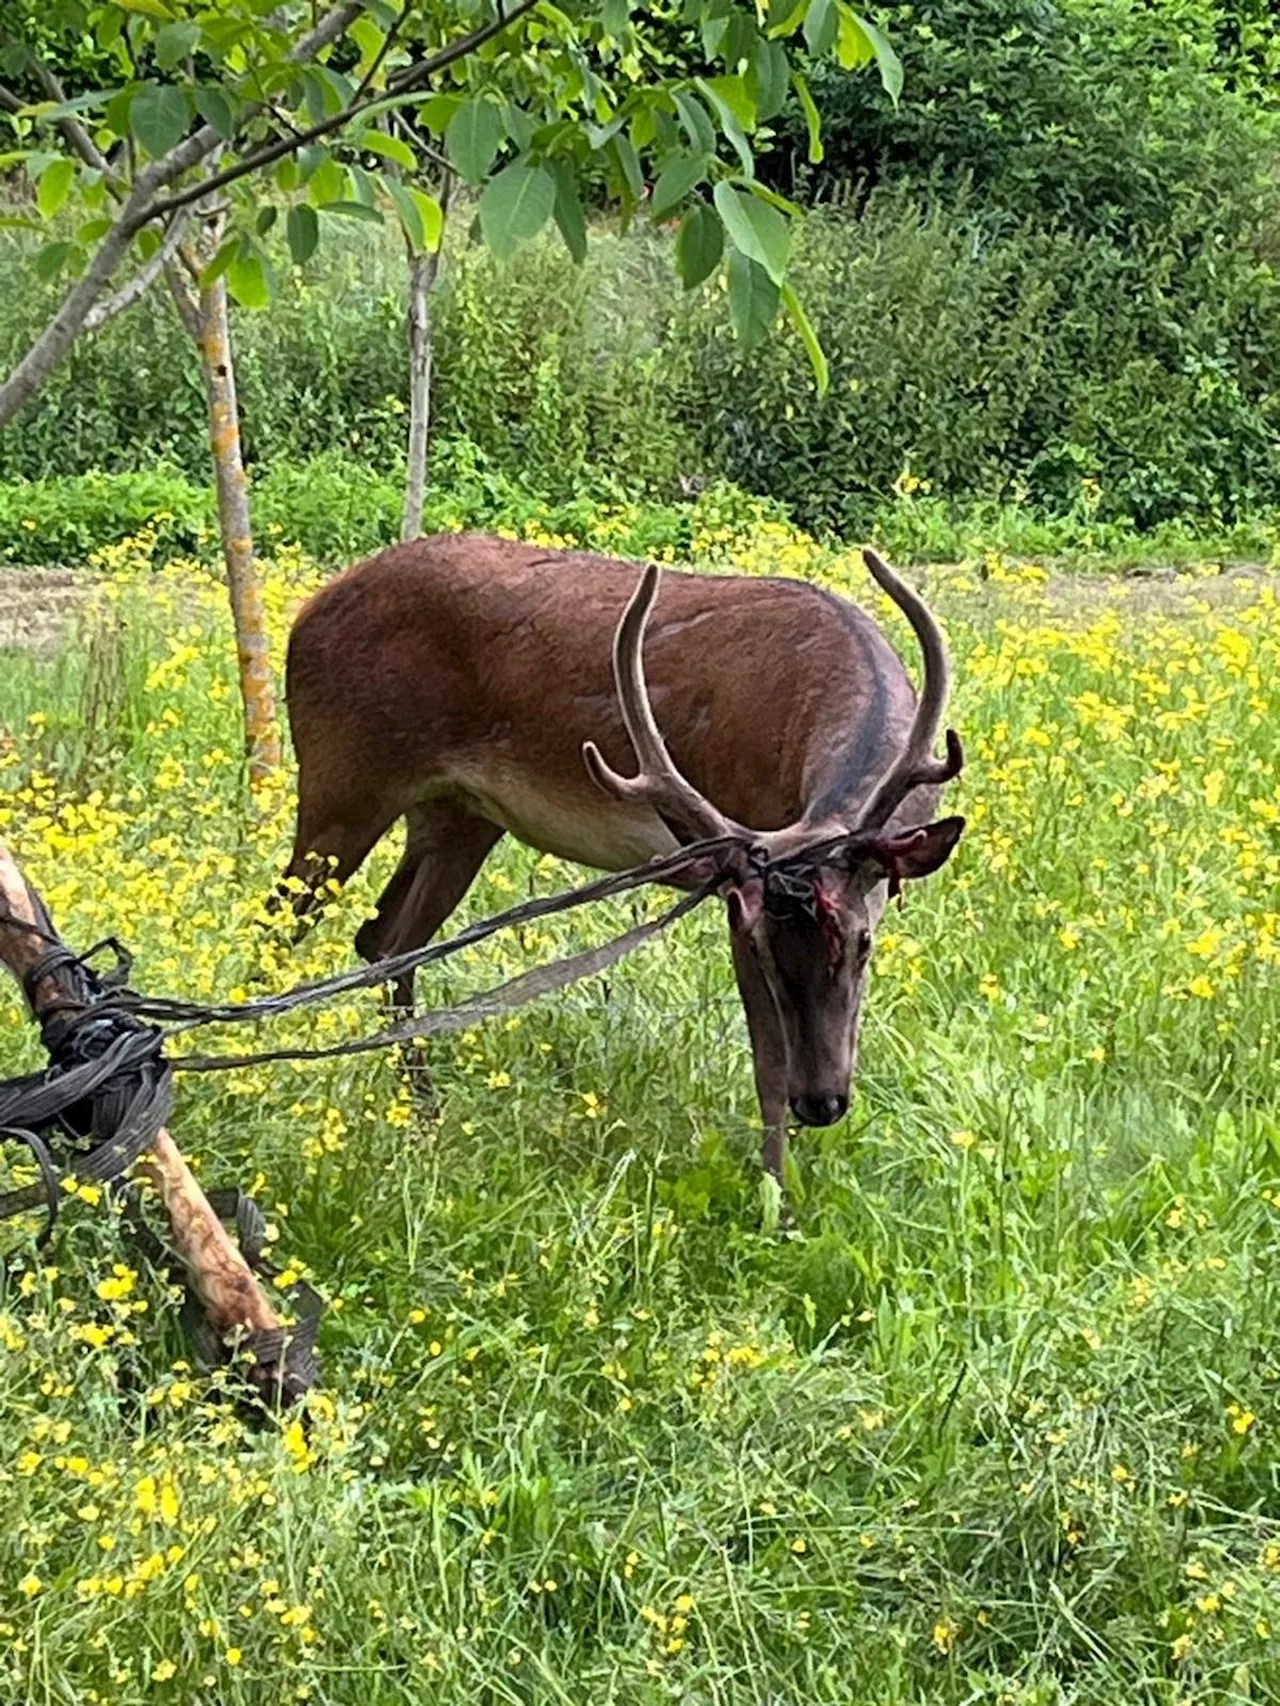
[[578, 823]]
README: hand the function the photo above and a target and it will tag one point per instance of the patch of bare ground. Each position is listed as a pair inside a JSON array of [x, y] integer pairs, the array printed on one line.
[[41, 609]]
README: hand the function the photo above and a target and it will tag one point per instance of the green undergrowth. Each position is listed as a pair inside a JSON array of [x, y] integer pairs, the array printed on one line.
[[991, 1420], [337, 510]]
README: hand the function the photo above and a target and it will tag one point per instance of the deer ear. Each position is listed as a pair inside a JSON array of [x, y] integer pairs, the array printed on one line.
[[920, 852], [745, 903]]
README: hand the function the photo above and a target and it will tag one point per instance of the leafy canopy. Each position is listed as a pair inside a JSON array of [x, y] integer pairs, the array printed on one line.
[[128, 113]]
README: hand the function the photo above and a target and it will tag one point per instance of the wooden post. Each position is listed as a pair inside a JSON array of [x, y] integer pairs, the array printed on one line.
[[220, 1276]]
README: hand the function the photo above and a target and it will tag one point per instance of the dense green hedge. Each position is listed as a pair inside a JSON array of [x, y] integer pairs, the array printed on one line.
[[1018, 364], [1046, 279]]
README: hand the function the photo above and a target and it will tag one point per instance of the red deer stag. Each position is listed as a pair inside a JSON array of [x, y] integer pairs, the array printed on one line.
[[459, 682]]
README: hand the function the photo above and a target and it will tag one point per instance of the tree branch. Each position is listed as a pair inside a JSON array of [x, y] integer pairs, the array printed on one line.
[[413, 78], [77, 137], [387, 43], [139, 208], [62, 331], [184, 297], [142, 280]]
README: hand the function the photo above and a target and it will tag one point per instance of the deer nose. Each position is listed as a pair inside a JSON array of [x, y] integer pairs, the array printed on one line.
[[819, 1110]]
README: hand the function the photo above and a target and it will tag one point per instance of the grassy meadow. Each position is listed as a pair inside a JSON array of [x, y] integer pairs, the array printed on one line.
[[993, 1420]]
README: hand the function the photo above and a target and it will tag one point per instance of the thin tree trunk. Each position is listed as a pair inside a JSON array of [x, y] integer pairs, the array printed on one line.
[[261, 731], [204, 312], [422, 275], [423, 268]]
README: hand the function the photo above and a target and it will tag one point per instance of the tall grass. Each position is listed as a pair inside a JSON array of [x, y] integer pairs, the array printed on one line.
[[994, 1421]]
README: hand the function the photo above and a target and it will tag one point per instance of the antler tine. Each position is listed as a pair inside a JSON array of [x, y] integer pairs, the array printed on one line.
[[915, 767], [658, 783]]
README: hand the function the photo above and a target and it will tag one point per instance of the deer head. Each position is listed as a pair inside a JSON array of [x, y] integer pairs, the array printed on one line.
[[804, 907]]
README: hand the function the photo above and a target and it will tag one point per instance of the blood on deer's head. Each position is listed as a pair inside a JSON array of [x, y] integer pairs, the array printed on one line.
[[804, 915]]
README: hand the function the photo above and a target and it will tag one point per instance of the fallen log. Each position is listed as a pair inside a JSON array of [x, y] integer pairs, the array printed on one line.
[[278, 1361]]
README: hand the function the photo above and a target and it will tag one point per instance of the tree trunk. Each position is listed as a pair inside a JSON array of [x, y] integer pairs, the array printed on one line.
[[204, 313], [261, 732], [422, 276]]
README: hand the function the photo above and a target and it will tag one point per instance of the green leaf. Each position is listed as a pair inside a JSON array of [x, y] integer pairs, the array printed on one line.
[[287, 174], [853, 44], [421, 216], [790, 208], [676, 179], [767, 77], [437, 111], [693, 118], [785, 16], [147, 242], [369, 39], [390, 148], [615, 16], [811, 117], [328, 183], [600, 135], [519, 126], [248, 279], [643, 127], [55, 186], [731, 93], [432, 217], [809, 338], [570, 219], [323, 92], [215, 109], [699, 245], [362, 186], [174, 42], [265, 220], [353, 210], [116, 115], [755, 229], [515, 206], [739, 40], [51, 260], [629, 162], [158, 118], [93, 229], [821, 22], [753, 299], [302, 228], [220, 262], [472, 138], [887, 62], [64, 109], [410, 218], [729, 124], [149, 8]]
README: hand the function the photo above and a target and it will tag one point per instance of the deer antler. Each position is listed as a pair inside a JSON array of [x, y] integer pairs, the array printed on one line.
[[686, 812], [915, 766]]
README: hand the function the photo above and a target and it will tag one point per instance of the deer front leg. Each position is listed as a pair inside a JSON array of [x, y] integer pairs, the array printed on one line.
[[768, 1053]]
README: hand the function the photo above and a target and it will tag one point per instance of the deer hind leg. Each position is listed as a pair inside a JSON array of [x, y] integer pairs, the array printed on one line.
[[445, 848], [768, 1054]]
